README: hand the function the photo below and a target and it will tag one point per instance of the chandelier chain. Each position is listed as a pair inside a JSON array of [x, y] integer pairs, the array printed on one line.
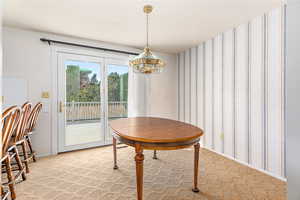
[[147, 30]]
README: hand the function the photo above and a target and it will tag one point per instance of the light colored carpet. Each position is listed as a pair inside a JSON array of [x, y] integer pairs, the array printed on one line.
[[88, 175]]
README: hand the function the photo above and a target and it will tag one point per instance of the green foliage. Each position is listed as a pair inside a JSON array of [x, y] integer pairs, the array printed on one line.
[[117, 87], [82, 88], [72, 80], [113, 86], [124, 87]]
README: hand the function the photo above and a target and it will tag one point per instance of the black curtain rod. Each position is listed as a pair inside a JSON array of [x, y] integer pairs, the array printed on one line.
[[87, 46]]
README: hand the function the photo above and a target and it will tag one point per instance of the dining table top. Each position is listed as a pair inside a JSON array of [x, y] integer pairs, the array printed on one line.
[[154, 130]]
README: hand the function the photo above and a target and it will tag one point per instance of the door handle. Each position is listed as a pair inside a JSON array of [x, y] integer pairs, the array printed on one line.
[[61, 106]]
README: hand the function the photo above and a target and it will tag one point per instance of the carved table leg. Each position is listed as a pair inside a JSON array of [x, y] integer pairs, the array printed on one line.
[[139, 159], [155, 155], [196, 165], [115, 153]]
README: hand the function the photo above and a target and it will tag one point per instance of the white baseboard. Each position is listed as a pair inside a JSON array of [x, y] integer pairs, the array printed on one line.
[[248, 165], [43, 155]]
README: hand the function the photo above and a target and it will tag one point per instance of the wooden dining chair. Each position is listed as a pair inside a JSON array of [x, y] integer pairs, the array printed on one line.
[[4, 193], [19, 138], [9, 122], [32, 121]]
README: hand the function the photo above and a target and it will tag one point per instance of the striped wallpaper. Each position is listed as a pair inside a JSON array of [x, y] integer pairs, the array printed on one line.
[[232, 87]]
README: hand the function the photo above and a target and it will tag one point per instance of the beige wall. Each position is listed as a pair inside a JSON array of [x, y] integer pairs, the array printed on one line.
[[162, 90]]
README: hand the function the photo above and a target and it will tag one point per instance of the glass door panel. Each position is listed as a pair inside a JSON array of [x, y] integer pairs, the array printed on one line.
[[81, 102], [117, 92]]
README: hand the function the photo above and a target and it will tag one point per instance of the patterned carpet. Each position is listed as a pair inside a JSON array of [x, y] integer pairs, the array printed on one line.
[[88, 175]]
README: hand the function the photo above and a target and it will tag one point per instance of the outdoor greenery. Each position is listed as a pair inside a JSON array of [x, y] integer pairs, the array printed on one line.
[[83, 86]]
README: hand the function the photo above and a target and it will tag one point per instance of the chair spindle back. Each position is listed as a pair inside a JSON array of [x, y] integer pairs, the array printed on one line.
[[22, 126], [9, 121], [34, 116]]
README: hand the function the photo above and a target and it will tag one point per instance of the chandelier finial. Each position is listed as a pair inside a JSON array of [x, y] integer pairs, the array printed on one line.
[[148, 9]]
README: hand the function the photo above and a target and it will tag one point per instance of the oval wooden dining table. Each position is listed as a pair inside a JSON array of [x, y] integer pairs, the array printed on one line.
[[155, 134]]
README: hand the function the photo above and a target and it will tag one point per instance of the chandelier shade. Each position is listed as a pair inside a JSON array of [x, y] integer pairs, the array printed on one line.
[[146, 62]]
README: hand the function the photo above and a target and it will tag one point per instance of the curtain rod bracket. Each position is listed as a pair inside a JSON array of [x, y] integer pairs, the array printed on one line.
[[45, 40]]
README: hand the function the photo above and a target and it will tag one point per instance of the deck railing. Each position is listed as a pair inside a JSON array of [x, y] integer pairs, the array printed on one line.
[[91, 111]]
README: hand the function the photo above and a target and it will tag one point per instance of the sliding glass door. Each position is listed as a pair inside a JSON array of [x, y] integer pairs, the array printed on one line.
[[117, 91], [92, 90]]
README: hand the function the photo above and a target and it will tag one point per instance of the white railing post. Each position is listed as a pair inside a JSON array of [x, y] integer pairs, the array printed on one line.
[[72, 111]]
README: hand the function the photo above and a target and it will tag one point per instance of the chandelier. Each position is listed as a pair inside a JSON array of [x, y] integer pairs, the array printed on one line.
[[146, 62]]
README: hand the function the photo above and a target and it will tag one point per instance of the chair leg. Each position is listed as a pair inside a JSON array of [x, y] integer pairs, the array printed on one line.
[[155, 155], [24, 149], [30, 148], [10, 177], [19, 162], [5, 194]]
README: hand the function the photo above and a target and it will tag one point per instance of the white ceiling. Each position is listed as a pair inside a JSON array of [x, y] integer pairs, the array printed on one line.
[[175, 25]]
